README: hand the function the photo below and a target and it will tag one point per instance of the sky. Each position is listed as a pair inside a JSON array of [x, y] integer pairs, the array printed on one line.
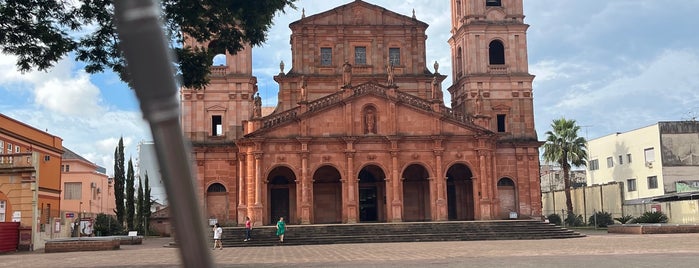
[[613, 66]]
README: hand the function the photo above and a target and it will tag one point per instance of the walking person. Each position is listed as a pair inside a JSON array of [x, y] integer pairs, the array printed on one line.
[[218, 233], [248, 229], [281, 228]]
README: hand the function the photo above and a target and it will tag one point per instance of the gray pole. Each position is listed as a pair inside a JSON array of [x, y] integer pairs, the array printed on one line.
[[150, 67]]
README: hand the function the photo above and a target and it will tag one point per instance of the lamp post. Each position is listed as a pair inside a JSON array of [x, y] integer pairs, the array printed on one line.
[[80, 218]]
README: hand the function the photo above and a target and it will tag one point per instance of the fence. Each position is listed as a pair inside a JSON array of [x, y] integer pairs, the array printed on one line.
[[610, 198]]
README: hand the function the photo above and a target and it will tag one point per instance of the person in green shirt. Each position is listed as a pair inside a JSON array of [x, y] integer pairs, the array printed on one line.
[[281, 228]]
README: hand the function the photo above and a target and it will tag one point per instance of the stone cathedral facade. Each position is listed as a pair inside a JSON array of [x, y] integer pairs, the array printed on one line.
[[361, 132]]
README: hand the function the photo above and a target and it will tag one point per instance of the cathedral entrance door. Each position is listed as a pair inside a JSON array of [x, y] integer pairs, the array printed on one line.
[[460, 193], [280, 204], [368, 205]]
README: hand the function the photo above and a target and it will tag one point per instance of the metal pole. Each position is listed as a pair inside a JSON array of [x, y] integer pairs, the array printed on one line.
[[150, 68]]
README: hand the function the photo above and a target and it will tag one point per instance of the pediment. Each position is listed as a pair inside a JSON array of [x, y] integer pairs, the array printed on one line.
[[358, 13], [216, 108], [328, 116]]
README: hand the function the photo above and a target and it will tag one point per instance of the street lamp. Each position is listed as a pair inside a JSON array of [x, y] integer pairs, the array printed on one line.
[[80, 218]]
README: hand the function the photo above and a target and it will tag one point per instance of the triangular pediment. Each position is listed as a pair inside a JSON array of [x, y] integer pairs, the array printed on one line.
[[358, 13], [328, 116], [216, 107]]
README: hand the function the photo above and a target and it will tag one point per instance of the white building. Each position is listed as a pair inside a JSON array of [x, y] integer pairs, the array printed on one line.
[[148, 163], [657, 161]]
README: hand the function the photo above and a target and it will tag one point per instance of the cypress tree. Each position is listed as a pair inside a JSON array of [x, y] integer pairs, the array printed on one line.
[[139, 207], [130, 196], [146, 205], [119, 181]]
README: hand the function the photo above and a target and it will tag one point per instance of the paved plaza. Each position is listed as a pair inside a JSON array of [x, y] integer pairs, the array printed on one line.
[[596, 250]]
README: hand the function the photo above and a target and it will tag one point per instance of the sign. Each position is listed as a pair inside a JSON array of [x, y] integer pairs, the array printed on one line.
[[17, 216], [70, 215]]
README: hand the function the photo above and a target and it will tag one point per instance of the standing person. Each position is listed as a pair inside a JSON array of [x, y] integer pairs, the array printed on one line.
[[218, 232], [248, 229], [281, 228]]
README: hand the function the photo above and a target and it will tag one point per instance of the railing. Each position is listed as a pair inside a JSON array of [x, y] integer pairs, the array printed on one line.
[[497, 69], [280, 118], [16, 160], [219, 71], [451, 114], [414, 101], [325, 101]]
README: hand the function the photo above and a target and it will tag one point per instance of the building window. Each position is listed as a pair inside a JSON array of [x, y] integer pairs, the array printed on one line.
[[493, 3], [497, 52], [18, 149], [621, 160], [501, 123], [9, 148], [649, 154], [394, 56], [652, 182], [326, 56], [594, 164], [360, 55], [2, 147], [631, 185], [628, 158], [73, 191], [3, 204], [216, 126], [67, 168], [610, 162]]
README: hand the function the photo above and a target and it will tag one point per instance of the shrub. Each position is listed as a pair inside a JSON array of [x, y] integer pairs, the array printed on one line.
[[603, 219], [625, 219], [554, 219], [107, 225], [652, 217], [573, 220]]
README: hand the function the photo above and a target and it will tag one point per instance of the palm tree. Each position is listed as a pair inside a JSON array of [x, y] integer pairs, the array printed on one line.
[[563, 146]]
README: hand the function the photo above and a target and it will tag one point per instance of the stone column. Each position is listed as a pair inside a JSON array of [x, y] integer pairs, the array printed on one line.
[[305, 185], [257, 208], [242, 201], [352, 182], [440, 204], [397, 203]]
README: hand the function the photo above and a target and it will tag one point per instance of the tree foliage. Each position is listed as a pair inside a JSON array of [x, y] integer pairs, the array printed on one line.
[[107, 225], [41, 32], [130, 208], [564, 147], [119, 181], [601, 219], [146, 205], [139, 207]]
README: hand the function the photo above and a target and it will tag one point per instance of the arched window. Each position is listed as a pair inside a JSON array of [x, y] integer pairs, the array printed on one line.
[[459, 62], [497, 52], [506, 182], [216, 188], [219, 53]]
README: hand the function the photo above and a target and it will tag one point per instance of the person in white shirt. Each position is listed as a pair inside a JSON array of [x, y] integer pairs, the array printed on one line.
[[218, 232]]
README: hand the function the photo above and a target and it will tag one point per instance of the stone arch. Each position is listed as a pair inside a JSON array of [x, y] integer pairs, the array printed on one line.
[[460, 198], [496, 52], [327, 195], [507, 194], [219, 52], [372, 193], [217, 201], [416, 193], [281, 194]]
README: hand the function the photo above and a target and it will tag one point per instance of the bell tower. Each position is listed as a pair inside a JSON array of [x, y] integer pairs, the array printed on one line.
[[491, 80], [216, 112]]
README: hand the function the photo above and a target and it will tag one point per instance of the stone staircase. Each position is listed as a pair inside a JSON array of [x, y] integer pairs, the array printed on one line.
[[398, 232]]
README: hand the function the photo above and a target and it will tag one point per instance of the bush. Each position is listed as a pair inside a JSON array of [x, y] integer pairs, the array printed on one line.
[[555, 219], [625, 219], [603, 219], [573, 220], [652, 217], [107, 225]]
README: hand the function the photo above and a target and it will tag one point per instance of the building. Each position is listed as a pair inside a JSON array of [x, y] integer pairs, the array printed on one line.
[[660, 161], [147, 163], [361, 133], [30, 181], [87, 190], [552, 178]]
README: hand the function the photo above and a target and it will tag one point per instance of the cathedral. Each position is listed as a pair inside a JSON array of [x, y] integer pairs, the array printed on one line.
[[361, 132]]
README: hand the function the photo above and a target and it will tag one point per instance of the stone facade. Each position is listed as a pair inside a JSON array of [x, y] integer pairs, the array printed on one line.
[[361, 133]]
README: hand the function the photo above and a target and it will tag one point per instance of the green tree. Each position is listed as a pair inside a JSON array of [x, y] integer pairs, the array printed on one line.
[[139, 208], [41, 32], [107, 225], [146, 205], [565, 147], [130, 208], [119, 181]]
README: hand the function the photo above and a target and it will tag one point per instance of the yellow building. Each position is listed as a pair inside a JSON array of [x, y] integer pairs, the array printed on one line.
[[30, 180], [657, 161]]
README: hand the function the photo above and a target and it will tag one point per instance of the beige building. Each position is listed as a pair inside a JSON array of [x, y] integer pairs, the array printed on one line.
[[660, 161], [86, 188]]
